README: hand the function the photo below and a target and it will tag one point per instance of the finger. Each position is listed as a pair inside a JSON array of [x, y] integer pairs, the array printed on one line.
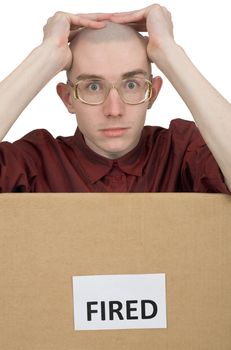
[[137, 21], [75, 30], [130, 13], [124, 13], [79, 21], [129, 17], [96, 16]]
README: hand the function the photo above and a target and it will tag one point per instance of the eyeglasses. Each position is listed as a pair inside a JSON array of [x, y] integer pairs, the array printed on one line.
[[132, 91]]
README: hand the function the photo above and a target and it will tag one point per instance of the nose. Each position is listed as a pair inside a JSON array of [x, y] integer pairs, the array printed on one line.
[[113, 106]]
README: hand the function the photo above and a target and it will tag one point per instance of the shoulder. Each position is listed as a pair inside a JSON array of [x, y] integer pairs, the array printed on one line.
[[176, 126], [179, 131], [38, 135], [35, 142], [41, 137], [181, 137], [185, 128], [186, 131]]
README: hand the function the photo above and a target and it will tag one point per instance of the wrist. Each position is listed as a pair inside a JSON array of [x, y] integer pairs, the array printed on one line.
[[57, 57], [165, 54]]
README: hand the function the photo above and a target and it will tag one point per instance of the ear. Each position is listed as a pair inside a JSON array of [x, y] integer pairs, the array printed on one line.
[[156, 86], [64, 92]]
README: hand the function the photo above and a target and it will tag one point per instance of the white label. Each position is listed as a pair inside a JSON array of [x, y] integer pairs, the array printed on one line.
[[119, 301]]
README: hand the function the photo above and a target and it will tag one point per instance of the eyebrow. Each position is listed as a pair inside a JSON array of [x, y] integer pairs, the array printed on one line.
[[134, 72], [124, 76]]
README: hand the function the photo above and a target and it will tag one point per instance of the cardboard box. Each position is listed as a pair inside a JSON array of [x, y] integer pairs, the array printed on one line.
[[45, 239]]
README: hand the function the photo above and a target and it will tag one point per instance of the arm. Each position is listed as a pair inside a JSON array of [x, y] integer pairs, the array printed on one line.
[[211, 112], [42, 64]]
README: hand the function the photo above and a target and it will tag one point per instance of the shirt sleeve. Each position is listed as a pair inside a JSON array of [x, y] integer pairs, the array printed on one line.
[[15, 173], [20, 162], [200, 171]]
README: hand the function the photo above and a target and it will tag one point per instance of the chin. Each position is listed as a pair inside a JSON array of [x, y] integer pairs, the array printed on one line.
[[117, 151]]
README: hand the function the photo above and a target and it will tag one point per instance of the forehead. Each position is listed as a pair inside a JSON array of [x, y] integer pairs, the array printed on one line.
[[109, 59]]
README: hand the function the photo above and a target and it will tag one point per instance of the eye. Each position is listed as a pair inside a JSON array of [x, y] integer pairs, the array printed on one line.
[[94, 87], [131, 85]]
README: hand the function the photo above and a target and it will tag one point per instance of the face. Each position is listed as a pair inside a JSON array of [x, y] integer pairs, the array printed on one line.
[[112, 128]]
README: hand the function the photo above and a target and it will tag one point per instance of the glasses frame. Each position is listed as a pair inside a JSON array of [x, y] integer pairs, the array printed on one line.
[[74, 87]]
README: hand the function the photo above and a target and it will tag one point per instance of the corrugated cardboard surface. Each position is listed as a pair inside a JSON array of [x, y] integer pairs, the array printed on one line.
[[45, 239]]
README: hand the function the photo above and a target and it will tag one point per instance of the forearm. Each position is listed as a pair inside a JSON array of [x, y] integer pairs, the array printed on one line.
[[22, 85], [210, 110]]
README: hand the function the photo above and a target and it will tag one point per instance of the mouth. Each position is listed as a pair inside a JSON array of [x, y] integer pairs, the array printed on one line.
[[114, 132]]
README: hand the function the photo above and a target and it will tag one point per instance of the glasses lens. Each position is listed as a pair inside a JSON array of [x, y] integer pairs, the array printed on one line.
[[134, 90], [92, 91]]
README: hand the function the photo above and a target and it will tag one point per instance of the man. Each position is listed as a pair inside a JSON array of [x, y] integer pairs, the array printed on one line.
[[110, 88]]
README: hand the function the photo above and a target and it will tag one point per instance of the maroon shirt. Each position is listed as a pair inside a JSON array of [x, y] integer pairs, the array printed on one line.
[[165, 160]]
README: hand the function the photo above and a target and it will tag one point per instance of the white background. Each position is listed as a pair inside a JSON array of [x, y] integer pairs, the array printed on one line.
[[202, 28]]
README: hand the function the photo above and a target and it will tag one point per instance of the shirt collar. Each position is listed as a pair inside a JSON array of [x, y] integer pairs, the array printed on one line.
[[96, 166]]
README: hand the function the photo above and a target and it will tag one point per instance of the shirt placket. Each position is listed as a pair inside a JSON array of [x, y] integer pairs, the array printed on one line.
[[117, 179]]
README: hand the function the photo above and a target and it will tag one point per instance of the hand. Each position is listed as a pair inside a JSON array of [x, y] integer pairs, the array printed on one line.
[[154, 19], [62, 27]]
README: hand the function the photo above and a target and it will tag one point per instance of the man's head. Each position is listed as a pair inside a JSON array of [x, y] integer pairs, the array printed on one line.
[[113, 53]]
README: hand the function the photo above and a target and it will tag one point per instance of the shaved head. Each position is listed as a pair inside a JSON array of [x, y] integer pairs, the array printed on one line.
[[111, 33]]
